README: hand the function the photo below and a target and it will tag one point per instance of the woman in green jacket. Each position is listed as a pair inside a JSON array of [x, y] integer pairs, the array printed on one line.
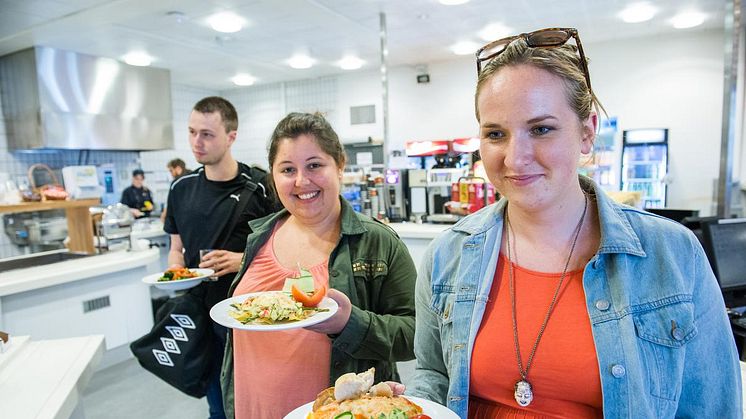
[[365, 266]]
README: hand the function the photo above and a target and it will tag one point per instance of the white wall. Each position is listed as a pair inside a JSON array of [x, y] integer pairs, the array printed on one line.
[[672, 81]]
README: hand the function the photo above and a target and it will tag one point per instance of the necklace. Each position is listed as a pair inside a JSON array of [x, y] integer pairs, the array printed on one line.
[[522, 390]]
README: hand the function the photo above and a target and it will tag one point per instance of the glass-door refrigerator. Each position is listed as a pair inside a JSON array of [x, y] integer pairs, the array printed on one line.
[[645, 164]]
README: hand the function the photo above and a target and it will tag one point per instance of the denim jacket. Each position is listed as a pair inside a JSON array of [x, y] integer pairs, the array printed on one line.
[[663, 341], [371, 265]]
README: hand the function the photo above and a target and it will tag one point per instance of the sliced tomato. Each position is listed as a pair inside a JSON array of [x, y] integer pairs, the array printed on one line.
[[308, 300], [421, 416]]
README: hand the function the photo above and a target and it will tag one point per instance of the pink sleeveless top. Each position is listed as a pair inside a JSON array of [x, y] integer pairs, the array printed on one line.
[[275, 372]]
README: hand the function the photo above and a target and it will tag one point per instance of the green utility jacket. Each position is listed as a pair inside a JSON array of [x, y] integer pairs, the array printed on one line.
[[371, 265]]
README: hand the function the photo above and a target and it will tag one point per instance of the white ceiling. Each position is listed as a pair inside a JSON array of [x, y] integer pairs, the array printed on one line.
[[419, 31]]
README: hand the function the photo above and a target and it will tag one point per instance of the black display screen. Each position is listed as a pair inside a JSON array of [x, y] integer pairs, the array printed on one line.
[[726, 247]]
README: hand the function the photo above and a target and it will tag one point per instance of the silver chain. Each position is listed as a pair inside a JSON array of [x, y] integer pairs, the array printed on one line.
[[524, 373]]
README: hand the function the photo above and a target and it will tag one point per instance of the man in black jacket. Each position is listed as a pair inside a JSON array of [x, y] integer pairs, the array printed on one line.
[[137, 196], [210, 209]]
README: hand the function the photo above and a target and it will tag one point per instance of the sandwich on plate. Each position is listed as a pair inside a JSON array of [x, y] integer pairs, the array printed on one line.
[[355, 397]]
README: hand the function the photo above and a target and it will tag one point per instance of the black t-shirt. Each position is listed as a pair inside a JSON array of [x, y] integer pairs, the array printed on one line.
[[199, 209], [135, 198]]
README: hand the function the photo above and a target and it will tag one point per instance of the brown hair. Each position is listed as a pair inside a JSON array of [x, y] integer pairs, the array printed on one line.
[[562, 61], [296, 124], [223, 107], [177, 162]]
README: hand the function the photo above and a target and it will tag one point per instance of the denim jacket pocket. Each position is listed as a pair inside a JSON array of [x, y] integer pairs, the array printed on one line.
[[663, 330]]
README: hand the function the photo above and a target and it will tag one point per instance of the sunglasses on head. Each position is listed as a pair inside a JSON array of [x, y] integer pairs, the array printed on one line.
[[543, 38]]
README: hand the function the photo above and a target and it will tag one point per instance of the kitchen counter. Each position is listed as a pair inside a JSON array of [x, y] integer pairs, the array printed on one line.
[[45, 379], [417, 237], [21, 280], [418, 231], [96, 295]]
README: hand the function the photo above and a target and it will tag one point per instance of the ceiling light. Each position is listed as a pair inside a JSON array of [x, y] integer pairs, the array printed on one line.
[[226, 22], [688, 19], [464, 48], [350, 62], [637, 12], [495, 31], [243, 79], [137, 58], [453, 2], [300, 61]]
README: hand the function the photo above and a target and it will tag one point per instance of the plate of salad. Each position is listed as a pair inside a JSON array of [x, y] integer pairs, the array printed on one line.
[[298, 305], [178, 278]]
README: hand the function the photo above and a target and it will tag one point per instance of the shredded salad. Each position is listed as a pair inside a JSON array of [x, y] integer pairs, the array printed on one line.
[[271, 307]]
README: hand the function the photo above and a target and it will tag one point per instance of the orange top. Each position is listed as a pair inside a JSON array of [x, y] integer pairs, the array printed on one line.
[[564, 372], [275, 372]]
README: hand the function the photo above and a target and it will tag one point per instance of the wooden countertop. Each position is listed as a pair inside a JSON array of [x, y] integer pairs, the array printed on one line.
[[48, 205]]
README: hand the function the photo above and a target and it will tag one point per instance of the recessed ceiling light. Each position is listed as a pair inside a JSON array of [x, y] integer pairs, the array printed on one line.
[[464, 48], [243, 79], [495, 31], [637, 12], [453, 2], [350, 62], [688, 19], [138, 58], [226, 22], [300, 61]]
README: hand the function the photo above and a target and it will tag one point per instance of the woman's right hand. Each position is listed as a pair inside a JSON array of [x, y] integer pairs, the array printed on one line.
[[397, 388]]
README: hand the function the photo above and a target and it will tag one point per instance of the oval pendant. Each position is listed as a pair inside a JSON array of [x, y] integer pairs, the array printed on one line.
[[523, 394]]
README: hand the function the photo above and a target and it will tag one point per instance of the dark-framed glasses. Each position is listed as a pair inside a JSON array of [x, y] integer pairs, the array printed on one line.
[[543, 38]]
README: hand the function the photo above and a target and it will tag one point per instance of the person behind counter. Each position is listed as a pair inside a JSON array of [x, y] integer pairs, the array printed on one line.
[[137, 196], [557, 300], [210, 209], [366, 267], [177, 168]]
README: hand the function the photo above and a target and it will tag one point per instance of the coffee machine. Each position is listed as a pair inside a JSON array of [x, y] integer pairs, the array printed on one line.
[[439, 182], [395, 194]]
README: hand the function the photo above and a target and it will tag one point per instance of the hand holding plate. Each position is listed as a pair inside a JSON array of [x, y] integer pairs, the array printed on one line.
[[339, 320]]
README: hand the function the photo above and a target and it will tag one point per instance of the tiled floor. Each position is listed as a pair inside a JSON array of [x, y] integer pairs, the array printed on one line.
[[126, 391]]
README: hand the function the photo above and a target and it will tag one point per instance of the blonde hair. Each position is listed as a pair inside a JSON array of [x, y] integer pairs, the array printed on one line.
[[562, 61]]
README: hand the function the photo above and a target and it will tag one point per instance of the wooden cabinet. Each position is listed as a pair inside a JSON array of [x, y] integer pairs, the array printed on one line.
[[79, 224]]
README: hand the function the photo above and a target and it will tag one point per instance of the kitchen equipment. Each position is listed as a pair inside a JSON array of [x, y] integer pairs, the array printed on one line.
[[107, 177], [81, 182], [39, 231], [417, 194], [65, 100], [396, 186], [439, 183], [112, 226]]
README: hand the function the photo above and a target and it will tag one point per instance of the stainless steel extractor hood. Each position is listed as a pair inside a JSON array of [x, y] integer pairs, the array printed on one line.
[[60, 99]]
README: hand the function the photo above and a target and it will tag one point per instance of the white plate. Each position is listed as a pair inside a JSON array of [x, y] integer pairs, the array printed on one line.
[[179, 284], [432, 409], [219, 313]]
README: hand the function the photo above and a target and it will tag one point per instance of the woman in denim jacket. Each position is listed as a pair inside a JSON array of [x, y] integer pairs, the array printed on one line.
[[557, 301]]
